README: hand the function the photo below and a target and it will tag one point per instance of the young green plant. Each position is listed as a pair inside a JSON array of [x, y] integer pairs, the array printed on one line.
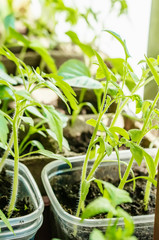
[[108, 204], [24, 100], [101, 146]]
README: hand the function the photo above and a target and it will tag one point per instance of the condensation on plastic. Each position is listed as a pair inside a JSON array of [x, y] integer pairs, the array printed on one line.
[[24, 227], [65, 223]]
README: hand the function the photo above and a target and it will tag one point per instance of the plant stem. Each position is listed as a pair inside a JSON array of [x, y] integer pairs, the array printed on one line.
[[82, 94], [126, 174], [91, 173], [16, 161], [98, 96], [149, 184], [84, 169], [5, 155], [16, 123]]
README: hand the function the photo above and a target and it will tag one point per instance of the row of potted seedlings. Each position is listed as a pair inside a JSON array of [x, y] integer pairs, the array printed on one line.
[[87, 175]]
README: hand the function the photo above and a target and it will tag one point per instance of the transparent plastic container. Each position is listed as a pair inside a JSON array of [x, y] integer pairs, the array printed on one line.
[[24, 227], [64, 223]]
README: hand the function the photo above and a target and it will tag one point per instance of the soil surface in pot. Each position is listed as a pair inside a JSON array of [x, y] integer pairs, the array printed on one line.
[[66, 188], [23, 205]]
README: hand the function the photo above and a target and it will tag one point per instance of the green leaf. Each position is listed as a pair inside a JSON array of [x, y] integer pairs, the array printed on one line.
[[3, 146], [39, 77], [5, 93], [150, 163], [23, 94], [3, 129], [64, 119], [45, 55], [9, 21], [84, 47], [67, 90], [122, 9], [84, 82], [118, 65], [28, 120], [64, 141], [108, 148], [145, 106], [93, 152], [36, 47], [123, 43], [116, 195], [103, 67], [76, 74], [7, 78], [139, 102], [5, 220], [49, 154], [96, 234], [53, 87], [37, 144], [19, 37], [33, 110], [153, 70], [137, 153], [73, 68], [121, 67], [84, 189], [93, 122], [135, 134], [101, 148], [99, 73], [129, 226], [55, 123], [131, 80], [99, 205], [120, 131], [2, 67], [134, 77], [9, 55]]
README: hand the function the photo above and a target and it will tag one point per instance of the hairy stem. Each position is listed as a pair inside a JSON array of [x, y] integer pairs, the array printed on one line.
[[16, 124], [16, 161]]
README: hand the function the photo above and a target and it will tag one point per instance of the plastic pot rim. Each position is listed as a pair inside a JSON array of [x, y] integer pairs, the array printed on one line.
[[125, 155], [38, 211]]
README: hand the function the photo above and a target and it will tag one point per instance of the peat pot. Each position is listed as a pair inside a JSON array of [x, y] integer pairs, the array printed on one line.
[[24, 227], [63, 223]]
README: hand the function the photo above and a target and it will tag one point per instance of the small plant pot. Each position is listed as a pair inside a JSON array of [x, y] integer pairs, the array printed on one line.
[[24, 227], [65, 223]]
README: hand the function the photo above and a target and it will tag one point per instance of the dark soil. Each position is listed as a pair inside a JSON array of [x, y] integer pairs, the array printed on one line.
[[67, 193], [79, 144], [23, 206]]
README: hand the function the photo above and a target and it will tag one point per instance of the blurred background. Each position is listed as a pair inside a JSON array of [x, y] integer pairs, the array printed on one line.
[[47, 21], [131, 21]]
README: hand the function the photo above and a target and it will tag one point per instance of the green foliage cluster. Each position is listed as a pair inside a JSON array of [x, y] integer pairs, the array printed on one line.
[[75, 73], [24, 106], [102, 145]]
